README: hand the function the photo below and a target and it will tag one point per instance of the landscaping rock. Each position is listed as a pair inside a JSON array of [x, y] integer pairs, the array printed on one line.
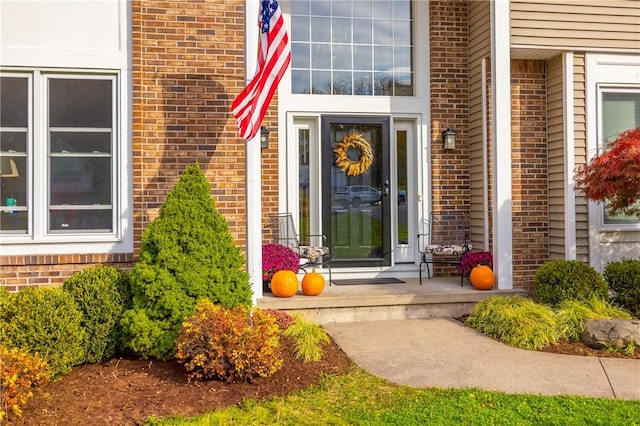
[[600, 333]]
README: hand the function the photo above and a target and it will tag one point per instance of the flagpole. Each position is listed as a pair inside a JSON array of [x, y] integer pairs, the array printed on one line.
[[253, 166]]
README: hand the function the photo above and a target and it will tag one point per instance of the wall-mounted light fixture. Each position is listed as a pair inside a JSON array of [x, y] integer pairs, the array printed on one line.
[[264, 137], [449, 139]]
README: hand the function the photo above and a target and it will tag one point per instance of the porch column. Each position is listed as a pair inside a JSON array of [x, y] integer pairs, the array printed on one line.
[[253, 167], [501, 144]]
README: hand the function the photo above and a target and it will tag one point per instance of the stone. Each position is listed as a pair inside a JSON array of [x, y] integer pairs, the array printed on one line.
[[600, 333]]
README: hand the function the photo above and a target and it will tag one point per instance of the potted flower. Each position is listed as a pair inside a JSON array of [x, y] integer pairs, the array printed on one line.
[[276, 257], [471, 259]]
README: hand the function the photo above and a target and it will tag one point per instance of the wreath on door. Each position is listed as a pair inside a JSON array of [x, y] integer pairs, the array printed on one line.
[[349, 166]]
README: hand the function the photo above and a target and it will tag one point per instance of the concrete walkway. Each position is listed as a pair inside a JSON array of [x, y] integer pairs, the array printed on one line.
[[443, 353]]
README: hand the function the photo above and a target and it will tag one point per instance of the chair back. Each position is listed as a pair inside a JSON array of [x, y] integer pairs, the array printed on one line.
[[283, 230], [447, 228]]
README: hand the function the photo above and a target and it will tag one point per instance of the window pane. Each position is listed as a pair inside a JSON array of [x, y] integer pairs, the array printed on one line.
[[321, 7], [341, 30], [402, 33], [80, 103], [383, 59], [300, 7], [382, 9], [14, 101], [321, 30], [95, 142], [74, 220], [362, 83], [363, 58], [383, 32], [13, 194], [303, 179], [81, 180], [402, 179], [321, 56], [342, 83], [300, 26], [362, 8], [13, 141], [342, 57], [362, 30], [301, 82], [383, 84], [321, 82]]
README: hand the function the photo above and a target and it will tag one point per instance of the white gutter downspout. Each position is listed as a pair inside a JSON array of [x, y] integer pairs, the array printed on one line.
[[501, 143], [569, 160], [253, 167], [485, 155]]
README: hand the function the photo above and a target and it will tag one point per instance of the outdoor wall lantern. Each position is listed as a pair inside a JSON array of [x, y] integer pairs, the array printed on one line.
[[264, 137], [449, 139]]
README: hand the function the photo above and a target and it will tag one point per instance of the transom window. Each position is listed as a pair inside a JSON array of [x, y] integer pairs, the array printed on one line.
[[352, 47], [58, 165]]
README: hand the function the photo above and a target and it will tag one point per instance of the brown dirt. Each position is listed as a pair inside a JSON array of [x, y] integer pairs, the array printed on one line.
[[126, 391]]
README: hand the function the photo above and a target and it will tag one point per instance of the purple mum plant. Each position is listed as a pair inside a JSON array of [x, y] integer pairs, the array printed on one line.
[[276, 257], [471, 259]]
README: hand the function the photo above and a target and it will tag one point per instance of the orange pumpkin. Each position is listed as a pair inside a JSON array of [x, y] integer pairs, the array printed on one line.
[[482, 277], [284, 283], [312, 283]]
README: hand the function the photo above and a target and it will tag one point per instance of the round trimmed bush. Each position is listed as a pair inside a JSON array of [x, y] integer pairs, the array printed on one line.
[[559, 279], [102, 294], [44, 322], [623, 278]]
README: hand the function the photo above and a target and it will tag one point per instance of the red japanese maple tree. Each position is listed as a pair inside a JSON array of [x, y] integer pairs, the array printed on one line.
[[614, 175]]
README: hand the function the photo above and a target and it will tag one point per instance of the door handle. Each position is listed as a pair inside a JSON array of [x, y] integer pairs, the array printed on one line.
[[385, 189]]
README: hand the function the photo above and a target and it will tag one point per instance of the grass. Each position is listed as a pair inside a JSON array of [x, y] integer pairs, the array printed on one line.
[[359, 398]]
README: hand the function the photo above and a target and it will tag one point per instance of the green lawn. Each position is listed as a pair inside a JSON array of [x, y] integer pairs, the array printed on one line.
[[359, 398]]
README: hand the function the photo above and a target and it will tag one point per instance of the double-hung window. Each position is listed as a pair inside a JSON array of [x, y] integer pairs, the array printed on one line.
[[58, 146], [619, 111]]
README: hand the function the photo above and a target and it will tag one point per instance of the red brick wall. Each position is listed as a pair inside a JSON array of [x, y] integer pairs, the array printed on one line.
[[449, 60], [530, 181], [449, 103]]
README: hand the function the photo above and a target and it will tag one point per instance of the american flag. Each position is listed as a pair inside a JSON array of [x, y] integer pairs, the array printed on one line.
[[274, 55]]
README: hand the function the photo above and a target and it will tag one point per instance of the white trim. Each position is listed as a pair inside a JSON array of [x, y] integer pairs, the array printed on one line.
[[485, 155], [502, 163], [569, 158], [253, 165]]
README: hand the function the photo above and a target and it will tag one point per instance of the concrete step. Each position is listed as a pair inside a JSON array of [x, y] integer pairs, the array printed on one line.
[[437, 297]]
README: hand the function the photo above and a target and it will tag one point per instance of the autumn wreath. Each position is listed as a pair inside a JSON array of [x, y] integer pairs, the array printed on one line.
[[348, 166]]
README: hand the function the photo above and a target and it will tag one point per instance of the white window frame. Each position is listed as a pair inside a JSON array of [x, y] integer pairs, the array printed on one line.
[[38, 239], [607, 242], [607, 73]]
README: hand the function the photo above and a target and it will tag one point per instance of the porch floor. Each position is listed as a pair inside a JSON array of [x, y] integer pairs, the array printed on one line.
[[436, 297]]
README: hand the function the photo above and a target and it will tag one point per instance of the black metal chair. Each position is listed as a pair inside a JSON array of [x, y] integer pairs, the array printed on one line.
[[444, 242], [315, 254]]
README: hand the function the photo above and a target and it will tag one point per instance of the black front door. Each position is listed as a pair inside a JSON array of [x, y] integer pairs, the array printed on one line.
[[355, 190]]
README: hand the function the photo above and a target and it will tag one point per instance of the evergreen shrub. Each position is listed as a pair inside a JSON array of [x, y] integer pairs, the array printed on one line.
[[45, 322], [20, 372], [559, 279], [187, 253], [102, 293], [623, 278], [235, 344]]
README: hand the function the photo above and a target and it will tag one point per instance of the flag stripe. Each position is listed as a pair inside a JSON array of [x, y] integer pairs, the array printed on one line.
[[274, 56]]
